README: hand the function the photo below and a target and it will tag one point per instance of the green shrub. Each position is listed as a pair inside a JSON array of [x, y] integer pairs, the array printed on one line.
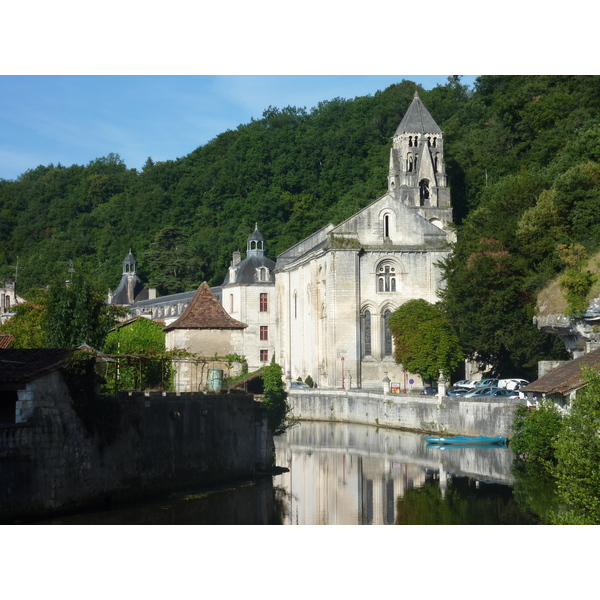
[[275, 398], [578, 455], [535, 431]]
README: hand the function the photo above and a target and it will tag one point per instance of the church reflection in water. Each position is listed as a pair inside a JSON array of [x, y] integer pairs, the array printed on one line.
[[345, 474]]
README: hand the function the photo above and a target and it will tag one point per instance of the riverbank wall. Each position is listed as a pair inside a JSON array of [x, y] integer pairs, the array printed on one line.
[[161, 443], [448, 415]]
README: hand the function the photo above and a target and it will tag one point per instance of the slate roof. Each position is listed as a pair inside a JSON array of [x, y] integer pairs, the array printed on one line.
[[566, 377], [20, 365], [121, 295], [205, 312], [246, 271], [417, 119]]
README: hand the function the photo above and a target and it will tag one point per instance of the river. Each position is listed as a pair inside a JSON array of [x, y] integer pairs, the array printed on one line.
[[345, 474]]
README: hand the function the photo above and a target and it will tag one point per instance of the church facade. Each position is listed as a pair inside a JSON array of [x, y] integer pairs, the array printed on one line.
[[336, 289], [322, 307]]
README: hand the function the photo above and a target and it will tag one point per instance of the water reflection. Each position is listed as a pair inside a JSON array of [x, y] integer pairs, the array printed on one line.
[[252, 503], [344, 474]]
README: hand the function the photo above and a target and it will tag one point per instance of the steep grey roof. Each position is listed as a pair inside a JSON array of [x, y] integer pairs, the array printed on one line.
[[121, 295], [417, 119], [246, 270]]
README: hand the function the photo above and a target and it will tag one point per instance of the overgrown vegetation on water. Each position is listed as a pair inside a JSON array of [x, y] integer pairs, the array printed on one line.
[[566, 448], [275, 399]]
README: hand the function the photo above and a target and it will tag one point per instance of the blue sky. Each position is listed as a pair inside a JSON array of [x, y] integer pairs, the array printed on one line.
[[73, 119]]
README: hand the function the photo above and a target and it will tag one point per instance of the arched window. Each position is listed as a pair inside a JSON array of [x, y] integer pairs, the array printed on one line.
[[410, 141], [409, 163], [386, 226], [423, 191], [366, 333], [386, 277], [387, 334]]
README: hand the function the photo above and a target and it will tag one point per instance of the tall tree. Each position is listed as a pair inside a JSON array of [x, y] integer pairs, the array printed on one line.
[[424, 341], [76, 314]]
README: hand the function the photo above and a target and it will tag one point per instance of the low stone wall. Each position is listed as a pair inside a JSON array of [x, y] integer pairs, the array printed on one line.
[[453, 415], [164, 442]]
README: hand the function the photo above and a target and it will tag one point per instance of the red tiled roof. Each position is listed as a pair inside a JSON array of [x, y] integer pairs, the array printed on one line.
[[205, 312], [6, 340], [566, 377]]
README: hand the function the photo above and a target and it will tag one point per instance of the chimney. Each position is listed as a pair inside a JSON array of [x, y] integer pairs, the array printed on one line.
[[237, 258]]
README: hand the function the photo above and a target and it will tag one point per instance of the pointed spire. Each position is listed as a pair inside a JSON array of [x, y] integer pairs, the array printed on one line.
[[205, 312], [417, 119]]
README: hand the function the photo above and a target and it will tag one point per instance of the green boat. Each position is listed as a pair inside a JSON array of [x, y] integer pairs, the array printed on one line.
[[466, 440]]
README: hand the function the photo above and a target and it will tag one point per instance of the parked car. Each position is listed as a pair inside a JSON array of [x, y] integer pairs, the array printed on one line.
[[300, 385], [504, 393], [457, 391], [429, 391], [480, 392], [491, 382], [512, 384], [466, 383]]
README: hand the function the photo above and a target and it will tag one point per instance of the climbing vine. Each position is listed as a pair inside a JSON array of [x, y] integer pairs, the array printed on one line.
[[100, 415]]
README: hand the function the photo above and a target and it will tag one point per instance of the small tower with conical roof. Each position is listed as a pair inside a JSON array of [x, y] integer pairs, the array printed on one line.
[[417, 174], [130, 289], [256, 243]]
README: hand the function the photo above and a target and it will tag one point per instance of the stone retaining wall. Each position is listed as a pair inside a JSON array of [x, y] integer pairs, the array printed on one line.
[[453, 415], [165, 442]]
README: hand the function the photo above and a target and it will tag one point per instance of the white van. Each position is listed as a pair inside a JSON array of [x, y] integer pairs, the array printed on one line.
[[512, 384]]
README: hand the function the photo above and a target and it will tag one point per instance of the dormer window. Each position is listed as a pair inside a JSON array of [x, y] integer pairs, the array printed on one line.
[[262, 274]]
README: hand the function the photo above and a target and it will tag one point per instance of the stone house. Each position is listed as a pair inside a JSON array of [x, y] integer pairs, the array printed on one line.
[[206, 329], [27, 376], [562, 383], [248, 295]]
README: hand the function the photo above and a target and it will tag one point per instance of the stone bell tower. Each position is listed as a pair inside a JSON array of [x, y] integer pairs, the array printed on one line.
[[417, 175]]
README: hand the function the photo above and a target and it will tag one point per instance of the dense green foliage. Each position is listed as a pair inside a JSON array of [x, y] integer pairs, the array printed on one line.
[[424, 342], [140, 340], [567, 449], [28, 325], [535, 433], [522, 156], [578, 455], [275, 398], [66, 315]]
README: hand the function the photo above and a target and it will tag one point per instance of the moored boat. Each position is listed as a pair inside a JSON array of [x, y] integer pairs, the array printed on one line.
[[463, 440]]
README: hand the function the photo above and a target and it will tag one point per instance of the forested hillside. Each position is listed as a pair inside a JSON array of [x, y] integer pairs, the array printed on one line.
[[523, 160]]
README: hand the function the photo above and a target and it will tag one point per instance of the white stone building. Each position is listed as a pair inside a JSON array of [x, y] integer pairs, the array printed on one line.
[[322, 308], [336, 289]]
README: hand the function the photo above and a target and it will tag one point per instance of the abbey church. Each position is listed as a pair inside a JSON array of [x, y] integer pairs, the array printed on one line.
[[322, 307]]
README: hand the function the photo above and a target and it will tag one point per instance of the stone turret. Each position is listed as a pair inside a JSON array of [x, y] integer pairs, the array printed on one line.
[[417, 173], [130, 289]]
